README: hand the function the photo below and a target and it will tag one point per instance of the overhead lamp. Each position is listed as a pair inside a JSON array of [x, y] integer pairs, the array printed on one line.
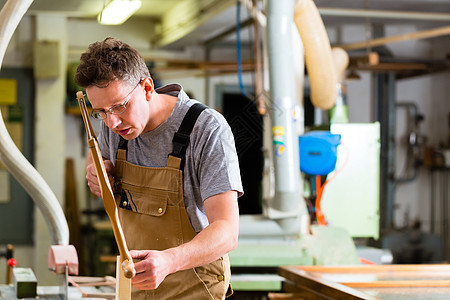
[[118, 11]]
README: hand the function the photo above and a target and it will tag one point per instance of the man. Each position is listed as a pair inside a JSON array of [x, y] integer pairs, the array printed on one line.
[[176, 185]]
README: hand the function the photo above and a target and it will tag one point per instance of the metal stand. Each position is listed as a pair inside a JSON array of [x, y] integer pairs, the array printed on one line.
[[439, 181], [385, 114]]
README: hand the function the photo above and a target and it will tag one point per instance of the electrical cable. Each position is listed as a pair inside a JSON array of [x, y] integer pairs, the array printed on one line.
[[366, 261], [319, 190]]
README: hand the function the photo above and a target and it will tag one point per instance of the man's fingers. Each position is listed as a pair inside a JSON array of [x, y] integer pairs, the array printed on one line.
[[91, 176], [138, 254], [108, 166]]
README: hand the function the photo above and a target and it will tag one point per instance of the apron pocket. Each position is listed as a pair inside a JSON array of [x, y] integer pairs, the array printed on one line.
[[144, 200], [215, 276]]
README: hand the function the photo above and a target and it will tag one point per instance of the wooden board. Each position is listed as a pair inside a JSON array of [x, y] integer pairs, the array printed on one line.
[[371, 281]]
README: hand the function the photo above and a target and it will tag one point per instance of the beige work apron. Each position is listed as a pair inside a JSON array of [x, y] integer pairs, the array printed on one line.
[[153, 217]]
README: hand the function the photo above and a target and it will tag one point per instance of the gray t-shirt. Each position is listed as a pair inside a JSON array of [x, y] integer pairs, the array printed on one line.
[[211, 164]]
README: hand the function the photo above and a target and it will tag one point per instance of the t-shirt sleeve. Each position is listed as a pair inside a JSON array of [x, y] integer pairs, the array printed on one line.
[[103, 141], [215, 157]]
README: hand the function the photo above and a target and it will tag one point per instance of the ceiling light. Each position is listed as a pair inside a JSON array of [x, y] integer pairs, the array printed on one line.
[[118, 11]]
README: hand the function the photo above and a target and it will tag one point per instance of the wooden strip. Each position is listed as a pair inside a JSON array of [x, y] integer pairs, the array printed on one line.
[[72, 211], [321, 286], [375, 268], [123, 284], [394, 67], [398, 283], [99, 295], [94, 281], [423, 34]]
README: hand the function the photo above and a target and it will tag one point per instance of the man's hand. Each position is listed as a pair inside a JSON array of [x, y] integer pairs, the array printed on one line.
[[152, 269], [91, 175]]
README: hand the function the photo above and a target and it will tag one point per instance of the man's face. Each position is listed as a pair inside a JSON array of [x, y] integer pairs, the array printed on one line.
[[115, 97]]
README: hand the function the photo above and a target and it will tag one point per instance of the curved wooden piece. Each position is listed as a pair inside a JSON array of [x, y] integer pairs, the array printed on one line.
[[106, 191]]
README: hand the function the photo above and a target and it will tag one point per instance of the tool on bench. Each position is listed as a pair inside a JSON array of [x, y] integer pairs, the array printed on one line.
[[106, 191]]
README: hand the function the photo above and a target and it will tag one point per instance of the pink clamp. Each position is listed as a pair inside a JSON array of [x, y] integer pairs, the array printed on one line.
[[60, 256]]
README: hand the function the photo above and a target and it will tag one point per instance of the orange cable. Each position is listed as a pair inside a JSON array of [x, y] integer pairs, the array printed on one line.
[[366, 261], [319, 214], [319, 190]]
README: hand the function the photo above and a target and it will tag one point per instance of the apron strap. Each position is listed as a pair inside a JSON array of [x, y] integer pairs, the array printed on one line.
[[174, 162], [181, 138], [122, 149]]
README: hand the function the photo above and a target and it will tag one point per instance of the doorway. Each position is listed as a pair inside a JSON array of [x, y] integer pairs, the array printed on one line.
[[247, 126]]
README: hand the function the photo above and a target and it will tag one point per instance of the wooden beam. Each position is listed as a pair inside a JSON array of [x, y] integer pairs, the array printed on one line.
[[403, 67], [398, 38]]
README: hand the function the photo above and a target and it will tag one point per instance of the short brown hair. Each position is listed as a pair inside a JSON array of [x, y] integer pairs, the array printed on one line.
[[110, 60]]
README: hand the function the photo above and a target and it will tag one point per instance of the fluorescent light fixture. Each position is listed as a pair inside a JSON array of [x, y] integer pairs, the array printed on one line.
[[118, 11]]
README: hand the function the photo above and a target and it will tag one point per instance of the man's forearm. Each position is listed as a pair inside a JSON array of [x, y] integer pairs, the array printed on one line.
[[217, 239], [211, 243]]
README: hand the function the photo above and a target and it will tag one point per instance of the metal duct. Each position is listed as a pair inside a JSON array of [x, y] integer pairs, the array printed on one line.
[[287, 207], [10, 16]]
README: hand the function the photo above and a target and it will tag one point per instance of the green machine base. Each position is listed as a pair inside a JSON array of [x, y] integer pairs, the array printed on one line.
[[255, 260]]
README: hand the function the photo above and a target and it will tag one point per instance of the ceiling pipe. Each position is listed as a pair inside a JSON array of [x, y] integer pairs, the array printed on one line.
[[358, 13], [287, 207]]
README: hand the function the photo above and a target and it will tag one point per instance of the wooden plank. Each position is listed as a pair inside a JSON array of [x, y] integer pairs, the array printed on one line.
[[321, 286], [93, 281], [360, 278], [376, 268], [123, 284], [398, 38], [398, 283], [72, 211]]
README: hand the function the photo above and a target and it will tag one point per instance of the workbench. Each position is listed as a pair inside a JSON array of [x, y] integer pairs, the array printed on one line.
[[366, 282]]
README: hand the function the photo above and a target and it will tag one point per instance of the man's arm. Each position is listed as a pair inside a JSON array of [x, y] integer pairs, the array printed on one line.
[[219, 238]]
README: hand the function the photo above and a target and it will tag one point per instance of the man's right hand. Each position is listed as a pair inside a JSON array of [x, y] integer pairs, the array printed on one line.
[[91, 175]]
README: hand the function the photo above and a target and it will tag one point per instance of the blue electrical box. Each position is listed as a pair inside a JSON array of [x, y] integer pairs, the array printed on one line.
[[318, 152]]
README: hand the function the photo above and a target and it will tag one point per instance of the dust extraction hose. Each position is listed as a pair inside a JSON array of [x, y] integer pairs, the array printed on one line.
[[10, 16], [318, 57]]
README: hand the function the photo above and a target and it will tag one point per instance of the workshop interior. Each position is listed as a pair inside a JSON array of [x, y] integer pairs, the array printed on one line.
[[340, 112]]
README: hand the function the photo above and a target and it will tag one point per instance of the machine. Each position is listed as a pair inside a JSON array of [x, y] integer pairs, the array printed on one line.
[[283, 234]]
